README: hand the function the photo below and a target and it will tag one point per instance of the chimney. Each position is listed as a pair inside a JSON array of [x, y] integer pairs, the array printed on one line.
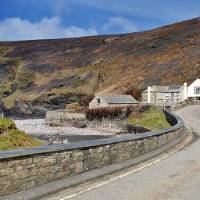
[[185, 92], [149, 94]]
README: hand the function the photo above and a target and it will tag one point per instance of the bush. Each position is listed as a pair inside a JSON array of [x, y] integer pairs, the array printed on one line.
[[144, 108], [109, 113], [14, 139], [134, 92], [6, 124], [24, 77], [84, 101]]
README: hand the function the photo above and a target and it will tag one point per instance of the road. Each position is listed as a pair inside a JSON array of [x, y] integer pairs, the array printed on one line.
[[176, 177]]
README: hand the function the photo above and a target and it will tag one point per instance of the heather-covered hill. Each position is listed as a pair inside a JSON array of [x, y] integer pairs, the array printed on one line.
[[50, 73]]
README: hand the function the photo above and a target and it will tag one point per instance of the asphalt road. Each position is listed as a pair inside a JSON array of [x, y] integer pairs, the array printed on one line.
[[175, 178]]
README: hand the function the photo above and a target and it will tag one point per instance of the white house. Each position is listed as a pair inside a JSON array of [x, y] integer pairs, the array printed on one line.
[[165, 94], [193, 92], [172, 94], [112, 100]]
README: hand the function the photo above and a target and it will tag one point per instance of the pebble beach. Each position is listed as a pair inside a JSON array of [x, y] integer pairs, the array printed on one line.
[[38, 127]]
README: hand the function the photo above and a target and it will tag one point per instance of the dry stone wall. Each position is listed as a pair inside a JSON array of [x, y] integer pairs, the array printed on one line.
[[59, 117], [65, 118], [23, 169]]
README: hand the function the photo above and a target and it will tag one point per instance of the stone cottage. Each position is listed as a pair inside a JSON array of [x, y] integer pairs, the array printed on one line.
[[112, 100]]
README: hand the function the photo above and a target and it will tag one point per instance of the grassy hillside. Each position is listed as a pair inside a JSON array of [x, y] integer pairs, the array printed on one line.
[[12, 138], [51, 73], [153, 119]]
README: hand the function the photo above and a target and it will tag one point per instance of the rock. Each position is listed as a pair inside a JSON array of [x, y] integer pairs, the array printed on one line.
[[39, 107], [65, 141]]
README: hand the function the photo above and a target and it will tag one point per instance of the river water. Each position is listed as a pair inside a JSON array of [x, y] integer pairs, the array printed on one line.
[[60, 134]]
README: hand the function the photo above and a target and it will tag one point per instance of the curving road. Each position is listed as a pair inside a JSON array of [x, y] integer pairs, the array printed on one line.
[[176, 177]]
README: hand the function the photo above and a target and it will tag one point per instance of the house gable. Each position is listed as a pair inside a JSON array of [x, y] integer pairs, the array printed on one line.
[[98, 101], [194, 89], [112, 100]]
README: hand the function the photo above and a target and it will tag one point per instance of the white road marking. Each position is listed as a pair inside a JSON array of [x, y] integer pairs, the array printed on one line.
[[127, 173]]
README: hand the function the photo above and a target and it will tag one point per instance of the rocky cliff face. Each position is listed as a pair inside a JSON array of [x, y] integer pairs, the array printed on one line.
[[47, 74]]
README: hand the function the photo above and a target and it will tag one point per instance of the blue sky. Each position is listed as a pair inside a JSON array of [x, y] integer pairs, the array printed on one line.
[[38, 19]]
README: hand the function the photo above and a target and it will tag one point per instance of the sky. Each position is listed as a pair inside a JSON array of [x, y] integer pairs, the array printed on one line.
[[47, 19]]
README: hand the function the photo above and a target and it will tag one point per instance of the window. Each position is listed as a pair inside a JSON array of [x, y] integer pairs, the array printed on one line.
[[98, 101], [197, 99], [197, 90]]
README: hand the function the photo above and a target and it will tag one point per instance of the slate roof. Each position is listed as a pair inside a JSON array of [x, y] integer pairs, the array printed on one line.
[[119, 99], [171, 88]]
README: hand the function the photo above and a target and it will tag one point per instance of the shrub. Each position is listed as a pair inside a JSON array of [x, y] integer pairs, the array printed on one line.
[[24, 77], [134, 92], [14, 62], [144, 108], [16, 139], [109, 113], [84, 101], [6, 124]]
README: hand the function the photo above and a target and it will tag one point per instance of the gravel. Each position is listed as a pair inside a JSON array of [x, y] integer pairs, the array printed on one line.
[[38, 127]]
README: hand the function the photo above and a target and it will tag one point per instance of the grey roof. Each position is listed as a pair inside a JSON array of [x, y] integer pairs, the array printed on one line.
[[119, 99], [170, 88]]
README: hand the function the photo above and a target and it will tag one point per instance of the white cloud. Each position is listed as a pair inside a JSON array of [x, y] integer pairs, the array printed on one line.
[[120, 25], [18, 29]]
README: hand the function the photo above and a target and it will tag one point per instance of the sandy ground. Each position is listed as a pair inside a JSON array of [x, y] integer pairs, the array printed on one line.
[[38, 127]]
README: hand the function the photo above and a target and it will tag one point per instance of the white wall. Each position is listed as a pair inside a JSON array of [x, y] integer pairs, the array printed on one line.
[[162, 97], [183, 94], [94, 103], [191, 90]]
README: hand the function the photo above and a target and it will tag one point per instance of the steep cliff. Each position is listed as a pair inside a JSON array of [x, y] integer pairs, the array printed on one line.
[[51, 73]]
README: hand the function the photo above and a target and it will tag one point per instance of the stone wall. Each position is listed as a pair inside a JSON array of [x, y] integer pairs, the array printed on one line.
[[23, 169], [152, 97], [182, 105], [65, 117], [116, 126]]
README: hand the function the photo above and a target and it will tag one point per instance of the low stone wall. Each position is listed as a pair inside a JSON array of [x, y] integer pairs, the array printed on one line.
[[119, 128], [23, 169], [180, 106], [63, 116], [66, 118]]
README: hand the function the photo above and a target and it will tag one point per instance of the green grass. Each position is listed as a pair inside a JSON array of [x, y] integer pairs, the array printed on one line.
[[6, 125], [12, 138], [152, 119]]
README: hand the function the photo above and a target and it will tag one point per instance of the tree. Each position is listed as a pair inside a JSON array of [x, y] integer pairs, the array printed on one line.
[[134, 92]]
